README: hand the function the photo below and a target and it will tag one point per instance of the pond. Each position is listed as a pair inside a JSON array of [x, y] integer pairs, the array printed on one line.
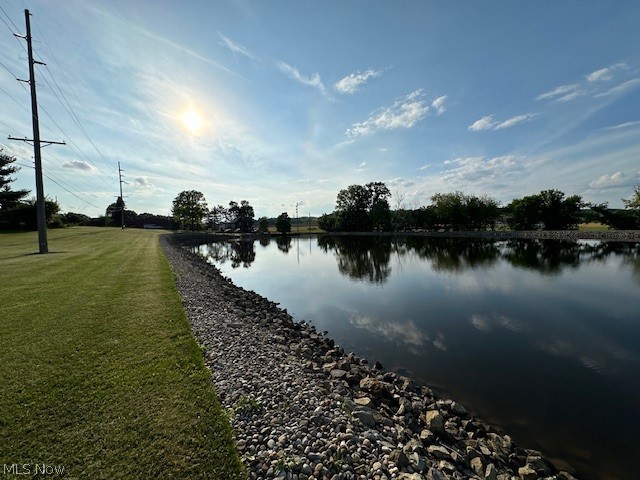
[[539, 337]]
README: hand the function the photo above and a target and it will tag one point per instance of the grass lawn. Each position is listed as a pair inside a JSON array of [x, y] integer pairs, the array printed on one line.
[[100, 373], [593, 227]]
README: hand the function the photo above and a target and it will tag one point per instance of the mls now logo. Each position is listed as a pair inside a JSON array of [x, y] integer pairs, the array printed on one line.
[[29, 469]]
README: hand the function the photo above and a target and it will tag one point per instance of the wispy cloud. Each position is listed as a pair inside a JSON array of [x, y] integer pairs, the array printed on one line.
[[556, 92], [487, 123], [236, 47], [614, 180], [604, 74], [78, 165], [563, 93], [313, 80], [352, 82], [404, 113], [438, 104], [513, 121], [622, 125], [462, 171], [622, 88]]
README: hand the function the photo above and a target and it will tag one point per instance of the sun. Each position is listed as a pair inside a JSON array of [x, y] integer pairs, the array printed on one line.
[[192, 120]]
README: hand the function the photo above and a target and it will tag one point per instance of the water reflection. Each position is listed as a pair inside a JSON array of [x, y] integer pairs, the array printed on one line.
[[361, 258], [538, 336], [238, 253], [368, 258]]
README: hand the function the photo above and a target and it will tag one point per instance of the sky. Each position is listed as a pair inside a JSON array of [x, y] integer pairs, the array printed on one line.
[[287, 102]]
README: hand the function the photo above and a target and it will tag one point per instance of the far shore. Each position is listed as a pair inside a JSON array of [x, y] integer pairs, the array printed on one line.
[[605, 235]]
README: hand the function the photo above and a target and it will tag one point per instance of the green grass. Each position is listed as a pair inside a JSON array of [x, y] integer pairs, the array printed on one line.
[[593, 227], [99, 371]]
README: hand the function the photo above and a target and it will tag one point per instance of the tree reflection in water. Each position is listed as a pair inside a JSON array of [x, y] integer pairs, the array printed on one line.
[[238, 252], [367, 258], [361, 258]]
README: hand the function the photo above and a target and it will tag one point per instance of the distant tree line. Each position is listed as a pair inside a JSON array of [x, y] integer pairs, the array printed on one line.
[[366, 208]]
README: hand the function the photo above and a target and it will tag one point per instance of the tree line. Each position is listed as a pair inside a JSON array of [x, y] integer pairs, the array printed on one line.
[[366, 208], [191, 212]]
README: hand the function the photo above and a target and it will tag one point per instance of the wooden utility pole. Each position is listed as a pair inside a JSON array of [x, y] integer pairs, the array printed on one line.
[[121, 197], [40, 205]]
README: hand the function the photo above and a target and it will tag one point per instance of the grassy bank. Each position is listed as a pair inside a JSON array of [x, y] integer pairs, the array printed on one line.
[[100, 373]]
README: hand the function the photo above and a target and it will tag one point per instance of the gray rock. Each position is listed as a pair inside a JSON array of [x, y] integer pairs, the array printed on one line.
[[434, 421], [399, 458], [365, 417]]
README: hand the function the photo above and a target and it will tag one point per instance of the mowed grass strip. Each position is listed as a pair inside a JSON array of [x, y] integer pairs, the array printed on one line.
[[99, 372]]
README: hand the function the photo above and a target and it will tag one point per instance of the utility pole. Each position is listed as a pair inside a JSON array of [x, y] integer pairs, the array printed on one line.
[[121, 197], [297, 219], [40, 205]]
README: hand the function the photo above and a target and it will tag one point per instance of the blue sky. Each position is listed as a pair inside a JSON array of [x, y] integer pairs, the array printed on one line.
[[300, 99]]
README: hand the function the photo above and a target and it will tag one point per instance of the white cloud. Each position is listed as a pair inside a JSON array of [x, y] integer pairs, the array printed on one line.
[[622, 88], [607, 181], [142, 181], [561, 90], [235, 47], [571, 96], [604, 74], [362, 165], [600, 75], [515, 121], [311, 81], [438, 104], [424, 167], [404, 113], [78, 165], [462, 171], [352, 82], [383, 149], [622, 125], [487, 123]]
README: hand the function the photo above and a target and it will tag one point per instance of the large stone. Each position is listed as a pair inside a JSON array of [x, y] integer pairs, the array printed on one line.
[[538, 464], [399, 458], [491, 473], [478, 466], [376, 387], [527, 473], [363, 402], [439, 452], [365, 417], [434, 474], [337, 373], [434, 421]]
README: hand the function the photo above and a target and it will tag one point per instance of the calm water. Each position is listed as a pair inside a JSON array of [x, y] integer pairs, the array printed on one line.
[[539, 337]]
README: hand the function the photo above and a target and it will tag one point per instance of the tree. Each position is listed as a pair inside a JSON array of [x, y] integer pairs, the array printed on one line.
[[557, 212], [283, 223], [633, 202], [242, 214], [524, 213], [23, 214], [189, 208], [8, 198], [263, 225], [363, 207]]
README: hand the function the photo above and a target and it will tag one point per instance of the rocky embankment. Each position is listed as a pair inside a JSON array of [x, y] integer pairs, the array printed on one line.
[[303, 408]]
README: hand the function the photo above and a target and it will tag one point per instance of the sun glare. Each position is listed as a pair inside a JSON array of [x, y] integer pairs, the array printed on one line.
[[192, 120]]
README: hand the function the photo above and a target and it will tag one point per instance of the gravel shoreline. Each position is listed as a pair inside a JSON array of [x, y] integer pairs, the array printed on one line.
[[303, 408]]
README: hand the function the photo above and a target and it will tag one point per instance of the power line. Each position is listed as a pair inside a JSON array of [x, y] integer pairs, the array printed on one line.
[[9, 18], [61, 186], [70, 111]]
